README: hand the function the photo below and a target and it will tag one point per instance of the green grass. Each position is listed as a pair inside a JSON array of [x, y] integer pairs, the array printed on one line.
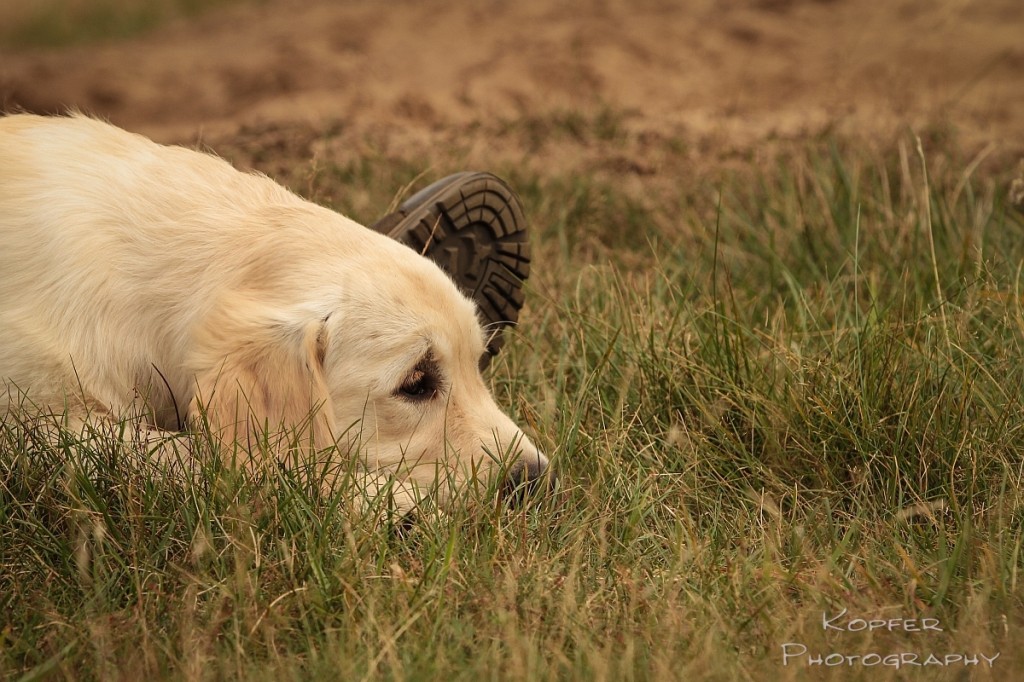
[[769, 394], [58, 23]]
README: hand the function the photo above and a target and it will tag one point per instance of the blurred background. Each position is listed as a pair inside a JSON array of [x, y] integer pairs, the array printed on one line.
[[720, 80]]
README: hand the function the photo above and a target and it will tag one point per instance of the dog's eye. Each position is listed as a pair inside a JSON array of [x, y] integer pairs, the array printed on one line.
[[421, 384]]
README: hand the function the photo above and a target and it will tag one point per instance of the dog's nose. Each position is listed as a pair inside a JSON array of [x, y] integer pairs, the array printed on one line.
[[529, 475]]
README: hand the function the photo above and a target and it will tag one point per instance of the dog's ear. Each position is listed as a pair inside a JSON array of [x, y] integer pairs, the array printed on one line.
[[269, 388]]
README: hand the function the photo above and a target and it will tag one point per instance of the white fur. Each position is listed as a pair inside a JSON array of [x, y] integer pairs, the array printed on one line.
[[142, 277]]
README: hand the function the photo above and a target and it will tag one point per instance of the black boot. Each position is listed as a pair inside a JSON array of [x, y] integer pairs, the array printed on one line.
[[472, 225]]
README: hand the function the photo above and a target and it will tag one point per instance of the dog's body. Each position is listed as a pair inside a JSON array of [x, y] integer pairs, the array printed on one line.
[[135, 276]]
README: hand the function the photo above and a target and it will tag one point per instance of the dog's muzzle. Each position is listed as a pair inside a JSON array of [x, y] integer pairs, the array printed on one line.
[[529, 476]]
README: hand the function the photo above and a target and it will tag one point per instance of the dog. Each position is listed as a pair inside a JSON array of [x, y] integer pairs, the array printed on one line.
[[138, 278]]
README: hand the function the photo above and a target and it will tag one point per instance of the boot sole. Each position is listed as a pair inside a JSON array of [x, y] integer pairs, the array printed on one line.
[[472, 225]]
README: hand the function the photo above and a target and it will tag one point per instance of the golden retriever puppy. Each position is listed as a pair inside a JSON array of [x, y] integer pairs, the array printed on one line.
[[136, 277]]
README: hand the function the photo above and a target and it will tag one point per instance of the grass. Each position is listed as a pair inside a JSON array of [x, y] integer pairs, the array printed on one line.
[[773, 394], [58, 23]]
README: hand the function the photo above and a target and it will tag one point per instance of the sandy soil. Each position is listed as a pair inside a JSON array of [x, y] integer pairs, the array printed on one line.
[[731, 74]]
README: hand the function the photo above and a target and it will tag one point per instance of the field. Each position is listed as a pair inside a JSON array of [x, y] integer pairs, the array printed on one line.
[[776, 353]]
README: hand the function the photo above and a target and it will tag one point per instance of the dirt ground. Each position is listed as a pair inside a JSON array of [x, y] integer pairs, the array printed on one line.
[[717, 76]]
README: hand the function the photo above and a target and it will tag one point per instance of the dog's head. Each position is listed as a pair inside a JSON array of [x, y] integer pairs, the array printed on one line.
[[380, 345], [401, 358]]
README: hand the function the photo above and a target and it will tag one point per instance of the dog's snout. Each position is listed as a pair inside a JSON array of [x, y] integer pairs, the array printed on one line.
[[529, 475]]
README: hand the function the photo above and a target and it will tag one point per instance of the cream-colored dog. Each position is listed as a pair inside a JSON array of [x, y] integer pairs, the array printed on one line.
[[141, 278]]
